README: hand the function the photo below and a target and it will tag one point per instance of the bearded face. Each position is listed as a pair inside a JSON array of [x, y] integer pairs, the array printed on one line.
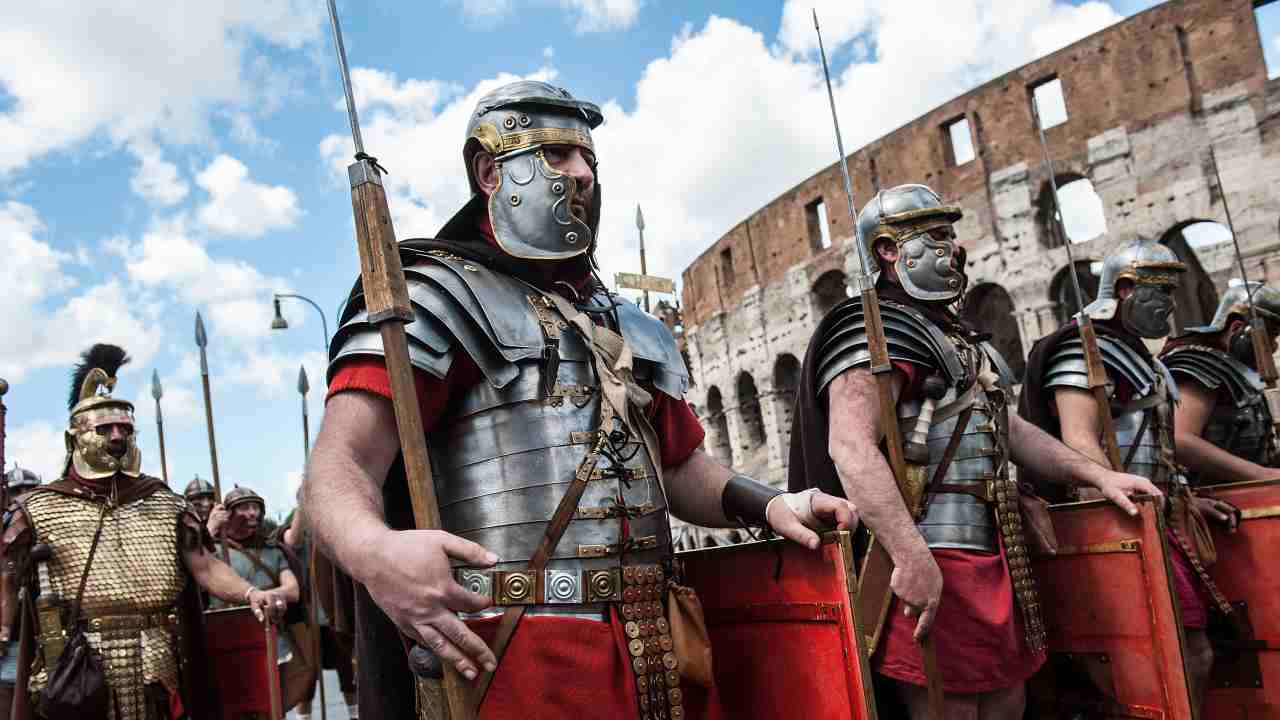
[[202, 505], [246, 518], [102, 443]]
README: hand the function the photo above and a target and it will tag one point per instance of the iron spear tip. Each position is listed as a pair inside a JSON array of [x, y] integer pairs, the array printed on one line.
[[156, 391], [4, 386], [201, 339], [303, 385], [639, 217], [815, 18]]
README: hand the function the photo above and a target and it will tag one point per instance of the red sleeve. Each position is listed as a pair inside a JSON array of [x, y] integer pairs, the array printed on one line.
[[679, 432], [914, 377], [369, 374]]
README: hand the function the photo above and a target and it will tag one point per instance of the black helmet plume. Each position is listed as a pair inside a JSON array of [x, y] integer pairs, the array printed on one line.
[[108, 357]]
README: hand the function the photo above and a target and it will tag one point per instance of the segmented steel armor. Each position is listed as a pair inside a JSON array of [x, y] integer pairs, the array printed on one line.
[[951, 520], [509, 448], [131, 596], [1144, 423], [1239, 422]]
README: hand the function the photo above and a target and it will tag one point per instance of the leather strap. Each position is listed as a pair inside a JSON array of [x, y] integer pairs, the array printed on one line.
[[84, 576], [1137, 441], [981, 491], [253, 558]]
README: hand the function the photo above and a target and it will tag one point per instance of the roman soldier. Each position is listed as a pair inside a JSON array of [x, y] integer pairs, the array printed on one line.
[[106, 557], [539, 389], [1224, 431], [960, 570], [1135, 299], [199, 494], [19, 482]]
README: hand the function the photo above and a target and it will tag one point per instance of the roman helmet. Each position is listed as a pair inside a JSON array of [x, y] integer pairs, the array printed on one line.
[[197, 487], [92, 407], [1155, 271], [1235, 305], [241, 495], [911, 216], [530, 210], [20, 479]]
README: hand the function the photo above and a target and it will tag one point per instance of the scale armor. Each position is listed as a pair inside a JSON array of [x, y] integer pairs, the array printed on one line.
[[1240, 422], [1146, 420], [509, 448], [131, 596]]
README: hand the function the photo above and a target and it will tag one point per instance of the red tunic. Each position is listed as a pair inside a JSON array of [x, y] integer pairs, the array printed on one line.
[[978, 631], [555, 667]]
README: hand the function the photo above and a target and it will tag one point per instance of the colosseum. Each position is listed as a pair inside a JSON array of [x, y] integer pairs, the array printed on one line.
[[1134, 116]]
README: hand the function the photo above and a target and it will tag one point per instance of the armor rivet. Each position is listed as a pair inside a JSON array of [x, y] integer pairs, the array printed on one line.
[[571, 238], [911, 263], [940, 252], [953, 282], [515, 200], [524, 121], [470, 267], [509, 123], [558, 188]]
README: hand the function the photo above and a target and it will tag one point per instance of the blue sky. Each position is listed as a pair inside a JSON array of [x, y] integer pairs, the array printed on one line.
[[165, 157]]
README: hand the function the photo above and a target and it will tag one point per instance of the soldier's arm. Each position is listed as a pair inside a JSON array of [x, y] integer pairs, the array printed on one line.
[[1080, 461], [700, 493], [1190, 416], [854, 444], [17, 545], [406, 572], [221, 581], [288, 586]]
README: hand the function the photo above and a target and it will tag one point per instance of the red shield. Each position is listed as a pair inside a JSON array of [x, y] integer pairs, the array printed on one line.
[[1115, 641], [242, 665], [1245, 681], [784, 638]]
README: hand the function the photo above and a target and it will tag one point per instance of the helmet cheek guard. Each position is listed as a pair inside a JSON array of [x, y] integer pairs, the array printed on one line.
[[531, 210], [929, 268]]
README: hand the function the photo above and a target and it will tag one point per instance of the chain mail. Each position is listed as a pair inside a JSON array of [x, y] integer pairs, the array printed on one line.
[[137, 574]]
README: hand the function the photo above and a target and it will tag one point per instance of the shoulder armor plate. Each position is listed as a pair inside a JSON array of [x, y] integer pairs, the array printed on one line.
[[911, 337], [653, 343], [1215, 369], [1066, 366]]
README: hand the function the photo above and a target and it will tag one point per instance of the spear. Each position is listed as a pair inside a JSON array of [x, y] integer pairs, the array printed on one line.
[[4, 479], [157, 392], [303, 388], [202, 340], [387, 301], [873, 602], [644, 270], [1261, 339], [1095, 372]]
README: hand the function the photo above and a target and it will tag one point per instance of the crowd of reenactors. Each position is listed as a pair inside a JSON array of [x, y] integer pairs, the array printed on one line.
[[562, 445]]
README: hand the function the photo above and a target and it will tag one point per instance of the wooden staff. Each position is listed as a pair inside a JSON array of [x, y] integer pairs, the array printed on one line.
[[157, 392], [387, 301], [202, 340], [300, 519]]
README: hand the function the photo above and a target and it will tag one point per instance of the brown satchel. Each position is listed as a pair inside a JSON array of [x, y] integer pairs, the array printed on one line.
[[1037, 523], [691, 643], [77, 684]]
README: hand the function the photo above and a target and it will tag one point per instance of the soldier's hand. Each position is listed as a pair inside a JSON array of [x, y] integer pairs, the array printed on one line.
[[268, 605], [917, 581], [218, 517], [1120, 487], [412, 582], [1220, 510], [800, 516]]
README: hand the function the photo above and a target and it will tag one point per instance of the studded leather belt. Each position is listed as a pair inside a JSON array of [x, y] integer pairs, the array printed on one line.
[[107, 623]]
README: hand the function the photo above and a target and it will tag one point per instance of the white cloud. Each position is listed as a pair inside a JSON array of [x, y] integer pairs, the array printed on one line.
[[239, 206], [132, 70], [1069, 23], [841, 21], [156, 180], [588, 16], [37, 446]]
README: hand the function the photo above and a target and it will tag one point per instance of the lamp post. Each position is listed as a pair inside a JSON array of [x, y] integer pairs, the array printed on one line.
[[279, 323]]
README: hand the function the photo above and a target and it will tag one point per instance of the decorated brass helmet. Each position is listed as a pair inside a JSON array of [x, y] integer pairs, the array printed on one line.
[[1155, 271], [241, 495], [93, 407], [20, 479], [197, 487], [531, 209], [910, 216]]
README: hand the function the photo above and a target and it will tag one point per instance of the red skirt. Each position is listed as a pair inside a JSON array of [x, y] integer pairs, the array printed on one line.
[[978, 632], [1187, 588], [563, 667]]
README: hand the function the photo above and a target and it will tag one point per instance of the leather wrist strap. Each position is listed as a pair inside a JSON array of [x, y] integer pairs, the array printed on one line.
[[746, 500]]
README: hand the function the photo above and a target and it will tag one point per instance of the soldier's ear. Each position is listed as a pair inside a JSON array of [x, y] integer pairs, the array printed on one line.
[[887, 250], [1235, 326], [1124, 288], [485, 171]]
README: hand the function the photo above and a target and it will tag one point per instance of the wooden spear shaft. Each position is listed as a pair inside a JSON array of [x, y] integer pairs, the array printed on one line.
[[201, 341]]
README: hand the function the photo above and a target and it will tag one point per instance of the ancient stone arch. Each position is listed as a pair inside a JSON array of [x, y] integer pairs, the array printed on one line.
[[717, 427], [1063, 295], [830, 290], [752, 447], [1196, 243], [989, 308]]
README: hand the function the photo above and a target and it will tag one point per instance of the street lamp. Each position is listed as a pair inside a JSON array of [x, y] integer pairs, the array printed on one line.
[[279, 323]]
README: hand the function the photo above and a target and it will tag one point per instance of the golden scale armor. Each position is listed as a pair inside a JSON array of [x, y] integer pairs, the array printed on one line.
[[132, 592]]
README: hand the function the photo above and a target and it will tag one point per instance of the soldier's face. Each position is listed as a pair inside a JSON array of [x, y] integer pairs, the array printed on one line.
[[117, 436], [247, 516], [576, 162], [202, 504]]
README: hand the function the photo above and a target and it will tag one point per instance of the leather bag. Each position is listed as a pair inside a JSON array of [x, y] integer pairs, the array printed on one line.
[[77, 686], [692, 644]]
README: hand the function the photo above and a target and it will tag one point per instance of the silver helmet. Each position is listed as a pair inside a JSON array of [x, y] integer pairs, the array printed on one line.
[[1154, 270], [198, 487], [20, 479], [531, 209], [1235, 302], [909, 216]]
